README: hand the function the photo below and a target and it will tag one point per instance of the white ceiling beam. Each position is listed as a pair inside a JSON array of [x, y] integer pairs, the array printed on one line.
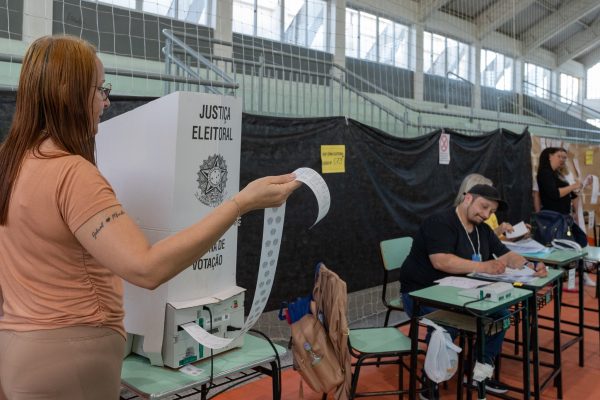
[[498, 14], [429, 6], [566, 15], [579, 44]]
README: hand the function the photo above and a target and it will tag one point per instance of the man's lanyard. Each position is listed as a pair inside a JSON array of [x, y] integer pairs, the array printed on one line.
[[476, 254]]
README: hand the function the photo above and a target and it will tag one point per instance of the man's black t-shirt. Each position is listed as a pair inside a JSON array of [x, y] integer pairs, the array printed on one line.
[[443, 233]]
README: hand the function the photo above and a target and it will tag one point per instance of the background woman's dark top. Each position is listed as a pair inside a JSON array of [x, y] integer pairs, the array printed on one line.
[[549, 183]]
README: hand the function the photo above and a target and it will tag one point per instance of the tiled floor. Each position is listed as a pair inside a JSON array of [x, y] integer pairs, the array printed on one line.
[[578, 383]]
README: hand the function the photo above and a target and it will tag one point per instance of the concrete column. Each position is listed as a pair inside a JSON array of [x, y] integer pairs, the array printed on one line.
[[519, 77], [37, 19], [224, 28], [477, 75], [555, 84], [338, 31], [418, 82]]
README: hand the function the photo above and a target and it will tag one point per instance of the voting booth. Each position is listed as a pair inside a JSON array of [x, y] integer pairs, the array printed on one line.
[[170, 162]]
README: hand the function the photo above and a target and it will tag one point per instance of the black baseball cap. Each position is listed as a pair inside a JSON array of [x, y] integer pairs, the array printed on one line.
[[490, 193]]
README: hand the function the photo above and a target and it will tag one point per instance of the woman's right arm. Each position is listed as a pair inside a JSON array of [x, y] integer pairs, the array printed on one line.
[[115, 240], [549, 188], [563, 191]]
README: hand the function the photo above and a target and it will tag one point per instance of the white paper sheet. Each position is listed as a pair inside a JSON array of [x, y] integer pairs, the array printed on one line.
[[269, 254], [518, 230], [595, 189], [526, 246], [461, 282], [314, 181], [524, 274]]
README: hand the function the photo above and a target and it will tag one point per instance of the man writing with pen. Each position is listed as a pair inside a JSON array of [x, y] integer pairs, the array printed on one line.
[[455, 241]]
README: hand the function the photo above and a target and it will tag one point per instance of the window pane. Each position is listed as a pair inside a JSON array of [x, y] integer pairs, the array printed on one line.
[[593, 82], [368, 38], [294, 22], [569, 88], [401, 43], [193, 11], [351, 33], [537, 81], [316, 24], [594, 121], [268, 18], [496, 70], [434, 50], [127, 4], [243, 16], [386, 41]]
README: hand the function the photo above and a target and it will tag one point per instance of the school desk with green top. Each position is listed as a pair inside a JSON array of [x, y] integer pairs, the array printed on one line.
[[553, 282], [151, 382], [447, 298], [564, 258], [593, 255]]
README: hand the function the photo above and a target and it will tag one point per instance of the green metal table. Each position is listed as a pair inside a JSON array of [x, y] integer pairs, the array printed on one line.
[[565, 258], [446, 297], [152, 382], [553, 280]]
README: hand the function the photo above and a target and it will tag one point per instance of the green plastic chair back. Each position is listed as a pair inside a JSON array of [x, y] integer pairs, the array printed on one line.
[[395, 251]]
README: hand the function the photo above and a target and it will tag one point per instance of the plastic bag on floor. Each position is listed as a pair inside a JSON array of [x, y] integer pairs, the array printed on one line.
[[441, 360]]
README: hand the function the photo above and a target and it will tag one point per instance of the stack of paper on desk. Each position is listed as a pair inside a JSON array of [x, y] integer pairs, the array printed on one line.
[[526, 246], [524, 275]]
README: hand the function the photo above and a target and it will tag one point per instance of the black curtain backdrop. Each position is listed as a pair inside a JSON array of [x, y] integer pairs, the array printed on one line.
[[390, 185]]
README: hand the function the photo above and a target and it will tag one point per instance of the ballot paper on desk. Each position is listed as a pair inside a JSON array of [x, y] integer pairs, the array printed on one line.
[[461, 282], [523, 275], [526, 246]]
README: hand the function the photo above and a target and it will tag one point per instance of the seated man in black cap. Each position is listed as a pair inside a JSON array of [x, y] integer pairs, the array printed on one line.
[[457, 242]]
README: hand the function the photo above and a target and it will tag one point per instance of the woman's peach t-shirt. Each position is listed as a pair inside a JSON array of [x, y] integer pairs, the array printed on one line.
[[47, 279]]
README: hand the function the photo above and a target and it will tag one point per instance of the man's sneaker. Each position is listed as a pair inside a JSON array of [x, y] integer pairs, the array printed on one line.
[[425, 394], [493, 386], [587, 281]]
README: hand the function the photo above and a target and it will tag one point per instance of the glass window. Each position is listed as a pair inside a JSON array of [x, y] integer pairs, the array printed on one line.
[[352, 29], [594, 121], [496, 70], [126, 3], [268, 19], [569, 88], [386, 41], [537, 81], [401, 45], [305, 23], [377, 39], [444, 56], [593, 82], [243, 17], [196, 12], [368, 36]]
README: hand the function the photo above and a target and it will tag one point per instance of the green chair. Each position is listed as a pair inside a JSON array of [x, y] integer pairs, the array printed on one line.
[[393, 254], [376, 346]]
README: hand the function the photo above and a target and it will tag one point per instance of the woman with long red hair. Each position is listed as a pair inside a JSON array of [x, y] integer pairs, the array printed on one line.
[[65, 240]]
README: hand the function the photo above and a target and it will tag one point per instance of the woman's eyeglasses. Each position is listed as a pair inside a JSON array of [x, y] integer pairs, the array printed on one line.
[[105, 90]]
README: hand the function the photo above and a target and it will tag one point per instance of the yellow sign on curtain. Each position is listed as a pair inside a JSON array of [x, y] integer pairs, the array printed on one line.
[[333, 158], [589, 157]]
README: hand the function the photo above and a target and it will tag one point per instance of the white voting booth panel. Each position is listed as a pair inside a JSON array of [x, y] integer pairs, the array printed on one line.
[[170, 162]]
